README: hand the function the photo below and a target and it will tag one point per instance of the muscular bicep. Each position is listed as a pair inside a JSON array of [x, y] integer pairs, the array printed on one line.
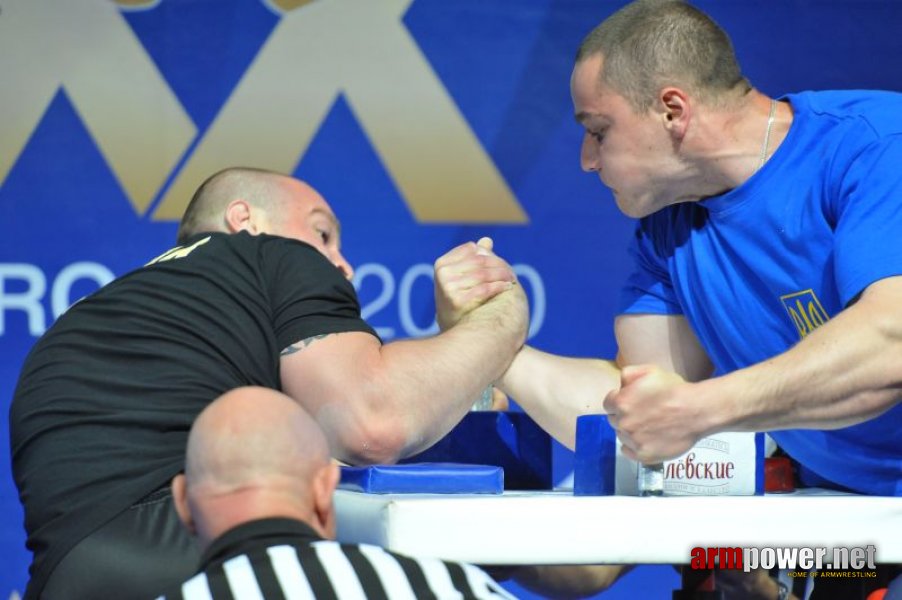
[[663, 340], [331, 376]]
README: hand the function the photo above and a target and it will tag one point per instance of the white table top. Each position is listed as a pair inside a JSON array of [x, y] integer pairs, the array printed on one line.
[[555, 527]]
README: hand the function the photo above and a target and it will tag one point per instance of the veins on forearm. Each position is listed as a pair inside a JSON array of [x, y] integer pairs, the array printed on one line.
[[298, 346]]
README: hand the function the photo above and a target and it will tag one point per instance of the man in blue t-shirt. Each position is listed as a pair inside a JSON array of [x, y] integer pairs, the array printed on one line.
[[766, 293], [767, 288]]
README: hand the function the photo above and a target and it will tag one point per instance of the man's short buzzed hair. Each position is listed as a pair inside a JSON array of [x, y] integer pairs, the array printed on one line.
[[650, 44], [206, 210]]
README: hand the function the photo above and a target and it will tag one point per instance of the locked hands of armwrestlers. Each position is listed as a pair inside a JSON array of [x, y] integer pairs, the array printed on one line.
[[471, 280]]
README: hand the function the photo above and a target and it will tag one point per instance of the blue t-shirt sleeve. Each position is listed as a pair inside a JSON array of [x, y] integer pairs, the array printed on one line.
[[868, 244], [648, 289]]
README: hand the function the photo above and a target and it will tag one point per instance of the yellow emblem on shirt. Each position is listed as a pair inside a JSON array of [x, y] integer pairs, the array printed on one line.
[[805, 310], [178, 252]]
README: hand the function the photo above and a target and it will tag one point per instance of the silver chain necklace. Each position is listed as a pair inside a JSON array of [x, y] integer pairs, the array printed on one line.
[[770, 124]]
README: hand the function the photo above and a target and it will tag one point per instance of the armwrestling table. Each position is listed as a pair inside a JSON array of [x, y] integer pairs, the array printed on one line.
[[555, 527]]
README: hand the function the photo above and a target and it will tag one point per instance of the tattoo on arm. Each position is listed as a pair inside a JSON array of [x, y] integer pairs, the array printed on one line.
[[298, 346]]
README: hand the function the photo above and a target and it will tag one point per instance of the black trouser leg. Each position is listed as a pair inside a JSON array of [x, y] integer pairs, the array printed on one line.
[[138, 554]]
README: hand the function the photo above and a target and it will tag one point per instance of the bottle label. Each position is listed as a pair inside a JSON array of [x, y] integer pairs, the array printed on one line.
[[726, 464]]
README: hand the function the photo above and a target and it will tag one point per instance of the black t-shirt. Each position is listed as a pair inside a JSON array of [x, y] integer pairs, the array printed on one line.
[[106, 397]]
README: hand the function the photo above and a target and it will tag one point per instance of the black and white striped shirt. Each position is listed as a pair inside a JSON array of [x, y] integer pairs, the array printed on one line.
[[284, 558]]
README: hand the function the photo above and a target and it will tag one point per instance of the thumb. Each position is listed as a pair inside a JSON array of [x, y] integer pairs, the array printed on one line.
[[633, 373], [486, 243]]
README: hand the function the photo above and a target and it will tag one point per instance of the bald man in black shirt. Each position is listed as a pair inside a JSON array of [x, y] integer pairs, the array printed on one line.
[[256, 293]]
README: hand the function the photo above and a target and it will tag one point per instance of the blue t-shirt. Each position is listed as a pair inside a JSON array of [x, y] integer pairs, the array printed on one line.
[[758, 268]]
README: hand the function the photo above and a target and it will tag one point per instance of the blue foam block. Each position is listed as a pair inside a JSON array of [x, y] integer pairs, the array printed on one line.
[[423, 478], [595, 458], [510, 440]]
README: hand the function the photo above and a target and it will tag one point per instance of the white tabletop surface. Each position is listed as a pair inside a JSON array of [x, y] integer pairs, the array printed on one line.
[[555, 527]]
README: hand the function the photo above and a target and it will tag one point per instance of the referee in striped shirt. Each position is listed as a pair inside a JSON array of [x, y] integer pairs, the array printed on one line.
[[257, 493]]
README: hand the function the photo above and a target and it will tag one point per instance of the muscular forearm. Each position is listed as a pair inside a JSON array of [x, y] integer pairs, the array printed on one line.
[[424, 387], [554, 390], [847, 371]]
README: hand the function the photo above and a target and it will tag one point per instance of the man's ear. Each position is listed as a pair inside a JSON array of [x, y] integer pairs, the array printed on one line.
[[240, 216], [676, 110], [180, 500], [324, 483]]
